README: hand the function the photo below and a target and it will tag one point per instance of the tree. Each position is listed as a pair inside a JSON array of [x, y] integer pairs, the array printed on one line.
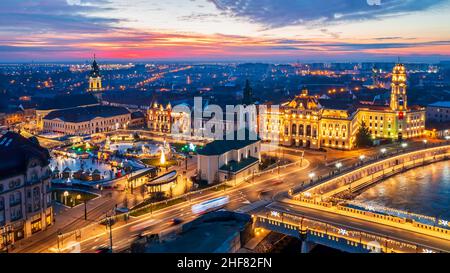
[[363, 137]]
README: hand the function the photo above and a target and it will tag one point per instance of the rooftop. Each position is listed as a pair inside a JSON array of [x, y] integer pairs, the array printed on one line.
[[218, 147], [234, 166], [207, 234], [19, 150], [66, 101], [81, 114], [445, 104]]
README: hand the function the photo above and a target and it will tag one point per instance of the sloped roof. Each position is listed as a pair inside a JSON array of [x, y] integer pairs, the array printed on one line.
[[81, 114], [67, 101], [15, 153], [218, 147]]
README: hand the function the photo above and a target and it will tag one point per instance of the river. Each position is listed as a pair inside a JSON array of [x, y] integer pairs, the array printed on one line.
[[424, 190]]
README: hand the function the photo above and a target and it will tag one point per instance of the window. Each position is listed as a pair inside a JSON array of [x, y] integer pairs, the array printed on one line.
[[15, 198]]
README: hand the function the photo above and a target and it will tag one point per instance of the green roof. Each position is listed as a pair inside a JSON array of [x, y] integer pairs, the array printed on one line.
[[234, 166], [218, 147]]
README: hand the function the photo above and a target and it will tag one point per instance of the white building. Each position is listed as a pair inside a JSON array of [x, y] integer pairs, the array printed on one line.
[[223, 160], [87, 120]]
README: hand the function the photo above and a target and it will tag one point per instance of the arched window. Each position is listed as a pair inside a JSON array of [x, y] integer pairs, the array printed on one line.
[[301, 130], [308, 130]]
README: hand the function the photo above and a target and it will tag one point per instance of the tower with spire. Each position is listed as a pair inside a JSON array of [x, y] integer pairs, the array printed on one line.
[[95, 79], [398, 88]]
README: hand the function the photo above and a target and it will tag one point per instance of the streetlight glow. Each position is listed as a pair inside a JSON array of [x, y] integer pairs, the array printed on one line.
[[383, 150]]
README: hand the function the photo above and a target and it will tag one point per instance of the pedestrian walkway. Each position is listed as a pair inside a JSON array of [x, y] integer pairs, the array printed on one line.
[[69, 219]]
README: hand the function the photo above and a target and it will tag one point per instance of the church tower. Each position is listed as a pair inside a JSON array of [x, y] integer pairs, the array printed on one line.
[[398, 89], [95, 79]]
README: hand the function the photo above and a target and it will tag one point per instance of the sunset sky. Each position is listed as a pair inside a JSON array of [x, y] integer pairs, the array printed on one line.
[[224, 30]]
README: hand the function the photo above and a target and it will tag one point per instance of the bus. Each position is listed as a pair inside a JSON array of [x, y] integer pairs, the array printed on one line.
[[210, 205]]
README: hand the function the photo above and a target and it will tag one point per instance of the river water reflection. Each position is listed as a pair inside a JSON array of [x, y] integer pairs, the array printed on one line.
[[424, 190]]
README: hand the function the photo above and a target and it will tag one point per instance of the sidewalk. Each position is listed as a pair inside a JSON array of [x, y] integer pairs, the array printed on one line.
[[70, 219]]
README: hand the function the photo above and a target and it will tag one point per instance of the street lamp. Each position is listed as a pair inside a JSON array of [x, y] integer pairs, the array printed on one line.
[[383, 151], [311, 176], [339, 166], [404, 145], [85, 205], [425, 142], [66, 193], [361, 158]]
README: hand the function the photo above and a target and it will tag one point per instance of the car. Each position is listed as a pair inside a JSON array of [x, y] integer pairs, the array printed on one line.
[[277, 182], [176, 221], [122, 210], [103, 250]]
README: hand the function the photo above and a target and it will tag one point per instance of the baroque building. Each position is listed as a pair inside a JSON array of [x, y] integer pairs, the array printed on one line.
[[160, 119], [309, 122]]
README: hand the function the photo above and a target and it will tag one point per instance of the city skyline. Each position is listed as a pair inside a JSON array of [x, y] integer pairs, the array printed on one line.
[[224, 30]]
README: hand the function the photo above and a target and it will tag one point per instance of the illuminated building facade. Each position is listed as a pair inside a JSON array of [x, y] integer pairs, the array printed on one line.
[[306, 122], [160, 119], [87, 120], [398, 120], [312, 123]]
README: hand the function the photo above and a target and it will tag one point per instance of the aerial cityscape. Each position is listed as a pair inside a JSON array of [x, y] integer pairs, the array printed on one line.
[[219, 126]]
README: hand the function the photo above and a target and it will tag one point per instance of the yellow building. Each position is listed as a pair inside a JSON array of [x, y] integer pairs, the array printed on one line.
[[305, 122], [312, 123], [159, 118], [396, 121]]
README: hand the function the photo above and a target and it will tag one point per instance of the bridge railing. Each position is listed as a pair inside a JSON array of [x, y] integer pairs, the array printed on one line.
[[305, 185], [375, 216], [353, 237]]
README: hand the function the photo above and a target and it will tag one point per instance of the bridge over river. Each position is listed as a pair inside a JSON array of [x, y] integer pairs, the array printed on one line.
[[319, 214]]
